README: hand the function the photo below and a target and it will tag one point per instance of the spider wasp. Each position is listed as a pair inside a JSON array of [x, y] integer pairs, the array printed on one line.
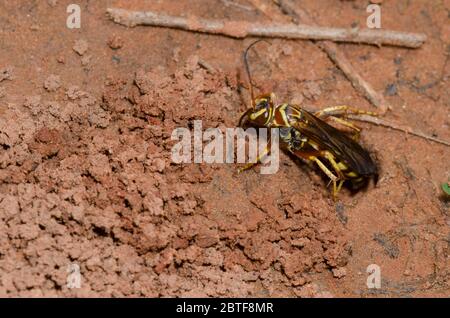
[[308, 136]]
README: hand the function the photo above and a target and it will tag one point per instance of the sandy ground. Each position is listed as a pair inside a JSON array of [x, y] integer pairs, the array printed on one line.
[[86, 176]]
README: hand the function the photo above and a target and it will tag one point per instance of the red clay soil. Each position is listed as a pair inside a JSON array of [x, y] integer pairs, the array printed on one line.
[[86, 175]]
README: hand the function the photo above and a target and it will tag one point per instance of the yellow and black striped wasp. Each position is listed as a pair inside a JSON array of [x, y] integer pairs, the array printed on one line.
[[308, 136]]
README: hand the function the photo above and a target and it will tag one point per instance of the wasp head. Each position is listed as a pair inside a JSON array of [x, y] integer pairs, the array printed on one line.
[[260, 113]]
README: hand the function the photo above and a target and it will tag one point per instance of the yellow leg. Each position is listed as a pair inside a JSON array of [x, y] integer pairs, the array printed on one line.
[[334, 113], [330, 175], [329, 156], [346, 123], [342, 110], [324, 169], [258, 160], [341, 182]]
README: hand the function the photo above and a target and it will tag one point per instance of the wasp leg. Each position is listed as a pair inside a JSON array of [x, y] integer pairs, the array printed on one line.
[[265, 152], [336, 112], [348, 124], [333, 178], [342, 110], [341, 178]]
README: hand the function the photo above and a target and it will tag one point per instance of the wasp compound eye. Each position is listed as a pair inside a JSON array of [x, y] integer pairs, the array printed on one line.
[[263, 103]]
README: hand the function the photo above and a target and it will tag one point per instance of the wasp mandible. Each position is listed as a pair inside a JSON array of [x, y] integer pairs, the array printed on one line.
[[308, 136]]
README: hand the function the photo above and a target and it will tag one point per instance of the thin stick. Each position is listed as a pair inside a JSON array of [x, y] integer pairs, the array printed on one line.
[[241, 29], [338, 58], [229, 3], [408, 130], [358, 82]]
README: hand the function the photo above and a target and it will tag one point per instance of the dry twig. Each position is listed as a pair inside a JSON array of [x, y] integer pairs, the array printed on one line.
[[229, 3], [380, 122], [338, 58], [357, 81], [241, 29]]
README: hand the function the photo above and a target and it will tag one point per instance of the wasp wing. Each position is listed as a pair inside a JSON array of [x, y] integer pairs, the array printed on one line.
[[342, 146]]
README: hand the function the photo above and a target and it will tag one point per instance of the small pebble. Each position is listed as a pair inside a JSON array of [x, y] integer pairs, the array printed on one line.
[[81, 46]]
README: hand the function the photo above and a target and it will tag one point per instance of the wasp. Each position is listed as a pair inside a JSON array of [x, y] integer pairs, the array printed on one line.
[[308, 136]]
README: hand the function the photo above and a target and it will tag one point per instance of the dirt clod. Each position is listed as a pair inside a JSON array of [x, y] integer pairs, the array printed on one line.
[[52, 83], [81, 46], [115, 42]]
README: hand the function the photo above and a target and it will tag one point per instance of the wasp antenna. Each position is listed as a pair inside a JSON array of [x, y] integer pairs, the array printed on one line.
[[247, 68]]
